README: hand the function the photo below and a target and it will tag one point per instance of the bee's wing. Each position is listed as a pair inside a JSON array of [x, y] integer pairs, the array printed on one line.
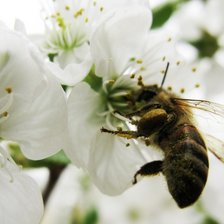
[[210, 120], [216, 146]]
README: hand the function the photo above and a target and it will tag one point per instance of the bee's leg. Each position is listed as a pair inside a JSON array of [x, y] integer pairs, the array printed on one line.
[[142, 110], [124, 134], [149, 169]]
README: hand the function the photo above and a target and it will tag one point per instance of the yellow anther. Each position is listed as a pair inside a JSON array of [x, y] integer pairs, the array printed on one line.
[[164, 58], [132, 59], [101, 8], [140, 78], [79, 13], [132, 76], [197, 85], [169, 88], [169, 39], [67, 7], [194, 69], [5, 114], [8, 89], [61, 22], [177, 63], [86, 20], [111, 82], [139, 61], [182, 90]]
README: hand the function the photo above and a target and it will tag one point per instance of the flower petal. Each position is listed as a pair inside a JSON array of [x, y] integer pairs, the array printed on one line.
[[110, 44], [112, 164], [34, 120], [83, 106], [40, 127], [73, 72], [20, 197]]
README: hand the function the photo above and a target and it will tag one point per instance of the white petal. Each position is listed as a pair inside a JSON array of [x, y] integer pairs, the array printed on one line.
[[40, 127], [182, 78], [76, 55], [212, 77], [20, 200], [20, 197], [83, 106], [73, 72], [38, 114], [112, 164], [110, 45], [20, 26], [211, 200]]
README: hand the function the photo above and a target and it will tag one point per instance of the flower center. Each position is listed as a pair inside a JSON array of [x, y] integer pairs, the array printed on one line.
[[70, 24], [117, 97], [65, 39]]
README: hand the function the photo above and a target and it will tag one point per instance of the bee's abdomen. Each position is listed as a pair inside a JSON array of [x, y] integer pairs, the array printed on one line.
[[186, 164]]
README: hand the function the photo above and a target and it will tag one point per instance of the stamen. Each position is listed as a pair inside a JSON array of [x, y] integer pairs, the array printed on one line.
[[120, 104], [110, 107], [6, 101], [79, 13], [197, 85], [139, 61], [102, 114], [67, 7], [8, 89], [120, 117], [108, 122], [182, 90], [119, 94]]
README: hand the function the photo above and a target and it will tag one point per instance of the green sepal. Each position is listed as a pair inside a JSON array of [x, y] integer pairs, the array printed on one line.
[[58, 159], [93, 80]]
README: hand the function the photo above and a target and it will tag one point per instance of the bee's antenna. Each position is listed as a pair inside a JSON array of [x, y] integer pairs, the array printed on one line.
[[164, 77]]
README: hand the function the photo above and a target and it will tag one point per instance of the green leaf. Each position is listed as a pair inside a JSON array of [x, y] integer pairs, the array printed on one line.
[[207, 45], [162, 13]]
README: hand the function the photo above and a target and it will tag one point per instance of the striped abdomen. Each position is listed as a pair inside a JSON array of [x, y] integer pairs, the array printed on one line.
[[186, 164]]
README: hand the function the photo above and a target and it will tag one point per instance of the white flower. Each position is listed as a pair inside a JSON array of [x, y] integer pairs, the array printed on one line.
[[147, 202], [213, 191], [20, 197], [112, 161], [32, 103], [203, 29], [69, 28]]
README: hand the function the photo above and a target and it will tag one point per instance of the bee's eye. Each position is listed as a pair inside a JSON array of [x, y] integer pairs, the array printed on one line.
[[146, 95]]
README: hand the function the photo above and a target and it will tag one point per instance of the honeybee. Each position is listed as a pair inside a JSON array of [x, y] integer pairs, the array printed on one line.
[[167, 122]]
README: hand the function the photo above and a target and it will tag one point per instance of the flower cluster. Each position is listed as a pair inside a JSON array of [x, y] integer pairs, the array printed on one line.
[[32, 113], [76, 91]]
